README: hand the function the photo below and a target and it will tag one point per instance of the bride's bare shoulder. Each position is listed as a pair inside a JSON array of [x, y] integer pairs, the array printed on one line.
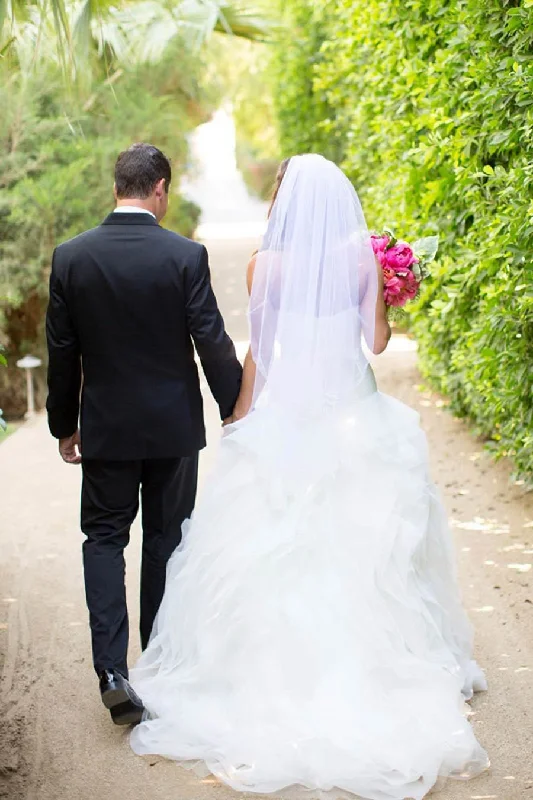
[[250, 271]]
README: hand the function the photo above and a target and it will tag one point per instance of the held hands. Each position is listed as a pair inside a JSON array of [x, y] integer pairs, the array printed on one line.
[[238, 413], [70, 449], [243, 403]]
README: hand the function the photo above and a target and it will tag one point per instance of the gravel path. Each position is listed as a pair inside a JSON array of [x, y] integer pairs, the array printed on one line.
[[57, 742]]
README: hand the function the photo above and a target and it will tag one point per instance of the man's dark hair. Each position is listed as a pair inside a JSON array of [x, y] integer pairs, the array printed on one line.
[[138, 169]]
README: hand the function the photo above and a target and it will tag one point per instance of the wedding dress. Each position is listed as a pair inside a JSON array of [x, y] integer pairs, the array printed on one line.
[[312, 632]]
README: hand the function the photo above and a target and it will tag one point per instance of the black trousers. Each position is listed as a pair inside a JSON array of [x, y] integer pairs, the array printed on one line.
[[109, 505]]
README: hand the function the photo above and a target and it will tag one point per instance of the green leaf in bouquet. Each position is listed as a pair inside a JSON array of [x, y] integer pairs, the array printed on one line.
[[426, 248], [397, 314], [392, 238], [3, 360], [417, 271]]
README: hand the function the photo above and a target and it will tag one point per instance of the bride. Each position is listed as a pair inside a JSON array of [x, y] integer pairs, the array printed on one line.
[[311, 631]]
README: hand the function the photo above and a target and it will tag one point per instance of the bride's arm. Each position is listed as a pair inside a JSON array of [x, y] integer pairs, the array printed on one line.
[[378, 332], [382, 331], [244, 400]]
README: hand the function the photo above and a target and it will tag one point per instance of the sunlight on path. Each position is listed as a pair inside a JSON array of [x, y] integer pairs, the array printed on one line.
[[57, 742], [228, 211]]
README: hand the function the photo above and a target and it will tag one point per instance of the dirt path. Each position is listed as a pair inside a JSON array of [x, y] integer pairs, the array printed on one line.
[[57, 742]]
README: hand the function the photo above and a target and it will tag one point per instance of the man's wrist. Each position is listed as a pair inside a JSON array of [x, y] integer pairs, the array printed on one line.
[[70, 436]]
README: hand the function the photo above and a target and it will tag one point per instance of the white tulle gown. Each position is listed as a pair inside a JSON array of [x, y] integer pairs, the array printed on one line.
[[311, 633]]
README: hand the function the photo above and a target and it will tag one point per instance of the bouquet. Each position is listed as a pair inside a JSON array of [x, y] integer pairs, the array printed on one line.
[[404, 266]]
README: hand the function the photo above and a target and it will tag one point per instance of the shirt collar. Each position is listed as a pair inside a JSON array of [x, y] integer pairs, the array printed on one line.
[[132, 210]]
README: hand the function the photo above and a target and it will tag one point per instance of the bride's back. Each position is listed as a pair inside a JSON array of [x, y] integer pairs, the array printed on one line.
[[314, 291]]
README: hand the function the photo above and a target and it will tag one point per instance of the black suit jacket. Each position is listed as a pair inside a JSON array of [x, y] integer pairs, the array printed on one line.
[[127, 301]]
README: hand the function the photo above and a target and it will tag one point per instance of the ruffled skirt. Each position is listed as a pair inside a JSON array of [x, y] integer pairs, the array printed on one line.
[[312, 631]]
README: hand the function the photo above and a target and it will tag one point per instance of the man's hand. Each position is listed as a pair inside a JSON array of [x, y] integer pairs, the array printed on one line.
[[70, 449], [239, 412]]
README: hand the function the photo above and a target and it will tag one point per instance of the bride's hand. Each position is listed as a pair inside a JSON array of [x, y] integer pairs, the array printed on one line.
[[239, 412]]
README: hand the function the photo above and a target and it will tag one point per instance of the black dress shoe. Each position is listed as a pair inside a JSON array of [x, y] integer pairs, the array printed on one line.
[[117, 695]]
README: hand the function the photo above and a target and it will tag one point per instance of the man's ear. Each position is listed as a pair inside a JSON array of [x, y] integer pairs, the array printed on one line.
[[115, 192], [160, 188]]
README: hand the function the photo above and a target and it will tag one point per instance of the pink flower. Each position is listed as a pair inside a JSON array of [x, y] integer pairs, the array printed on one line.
[[398, 300], [411, 290], [394, 295], [388, 273], [400, 288], [392, 289], [400, 256], [412, 285], [379, 243]]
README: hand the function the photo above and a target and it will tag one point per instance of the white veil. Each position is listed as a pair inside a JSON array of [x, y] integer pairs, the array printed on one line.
[[314, 292]]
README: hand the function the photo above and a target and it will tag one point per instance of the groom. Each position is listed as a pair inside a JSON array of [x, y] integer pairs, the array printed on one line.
[[127, 301]]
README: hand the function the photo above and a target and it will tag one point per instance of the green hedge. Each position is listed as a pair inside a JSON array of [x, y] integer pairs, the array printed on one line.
[[57, 154], [428, 106]]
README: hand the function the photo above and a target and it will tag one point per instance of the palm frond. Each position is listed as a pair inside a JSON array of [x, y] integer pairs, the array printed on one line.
[[3, 14], [84, 32], [5, 46], [27, 19], [62, 26], [141, 32], [238, 19]]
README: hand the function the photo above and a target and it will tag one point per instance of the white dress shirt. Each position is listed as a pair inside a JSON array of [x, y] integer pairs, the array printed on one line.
[[132, 210]]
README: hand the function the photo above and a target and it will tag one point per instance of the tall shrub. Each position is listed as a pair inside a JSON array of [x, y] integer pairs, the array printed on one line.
[[430, 105], [56, 167], [303, 108]]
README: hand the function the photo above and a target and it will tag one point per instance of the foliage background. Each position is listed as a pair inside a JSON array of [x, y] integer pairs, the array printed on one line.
[[244, 70], [428, 106], [78, 83], [56, 168]]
